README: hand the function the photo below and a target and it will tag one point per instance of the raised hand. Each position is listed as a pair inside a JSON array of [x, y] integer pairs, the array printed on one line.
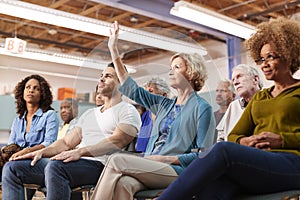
[[113, 37]]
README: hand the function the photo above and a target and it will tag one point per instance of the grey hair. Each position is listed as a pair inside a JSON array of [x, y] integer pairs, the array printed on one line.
[[160, 83], [229, 83], [196, 64], [251, 71]]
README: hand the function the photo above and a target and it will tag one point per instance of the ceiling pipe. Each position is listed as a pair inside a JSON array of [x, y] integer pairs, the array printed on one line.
[[160, 10], [274, 9], [86, 24]]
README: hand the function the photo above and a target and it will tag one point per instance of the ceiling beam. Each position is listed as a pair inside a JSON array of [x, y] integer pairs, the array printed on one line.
[[81, 23], [160, 10]]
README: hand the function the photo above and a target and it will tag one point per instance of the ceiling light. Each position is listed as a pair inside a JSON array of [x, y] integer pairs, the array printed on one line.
[[52, 31], [212, 19], [77, 22], [32, 71], [134, 19], [125, 47], [61, 58]]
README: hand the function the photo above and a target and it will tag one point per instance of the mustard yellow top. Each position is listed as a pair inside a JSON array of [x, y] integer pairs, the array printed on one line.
[[280, 115], [63, 131]]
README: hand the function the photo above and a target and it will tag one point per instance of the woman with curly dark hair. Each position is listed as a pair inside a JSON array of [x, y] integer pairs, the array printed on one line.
[[263, 155], [37, 124]]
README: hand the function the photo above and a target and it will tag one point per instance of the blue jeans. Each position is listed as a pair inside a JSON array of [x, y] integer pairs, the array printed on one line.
[[57, 176], [227, 169]]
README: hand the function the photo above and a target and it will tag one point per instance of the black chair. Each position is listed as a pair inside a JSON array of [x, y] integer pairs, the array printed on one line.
[[86, 190], [285, 195], [148, 194]]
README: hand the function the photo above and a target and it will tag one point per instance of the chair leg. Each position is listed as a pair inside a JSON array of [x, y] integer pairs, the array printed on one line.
[[25, 193], [85, 195], [33, 187]]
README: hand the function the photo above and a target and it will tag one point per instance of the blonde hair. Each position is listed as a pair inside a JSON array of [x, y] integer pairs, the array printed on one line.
[[195, 64]]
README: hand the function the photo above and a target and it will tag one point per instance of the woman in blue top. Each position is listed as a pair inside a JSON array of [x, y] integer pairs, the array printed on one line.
[[37, 124], [183, 124]]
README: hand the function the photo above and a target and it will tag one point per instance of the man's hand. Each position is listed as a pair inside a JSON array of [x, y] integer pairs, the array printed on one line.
[[35, 156], [67, 156]]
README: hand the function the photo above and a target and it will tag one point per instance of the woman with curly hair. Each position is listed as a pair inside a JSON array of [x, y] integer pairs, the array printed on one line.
[[37, 124], [264, 153], [182, 124]]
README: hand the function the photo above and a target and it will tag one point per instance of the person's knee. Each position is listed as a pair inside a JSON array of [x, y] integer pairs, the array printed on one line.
[[129, 185], [116, 156], [7, 170], [118, 161], [11, 167], [220, 149], [53, 168], [223, 146]]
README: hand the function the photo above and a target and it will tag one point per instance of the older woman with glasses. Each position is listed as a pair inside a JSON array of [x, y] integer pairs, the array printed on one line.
[[263, 155]]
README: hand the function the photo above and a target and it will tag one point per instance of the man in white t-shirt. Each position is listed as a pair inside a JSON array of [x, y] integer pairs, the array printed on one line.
[[79, 157], [246, 82]]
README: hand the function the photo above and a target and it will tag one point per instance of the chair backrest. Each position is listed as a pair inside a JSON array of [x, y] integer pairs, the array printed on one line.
[[285, 195], [148, 194], [86, 190]]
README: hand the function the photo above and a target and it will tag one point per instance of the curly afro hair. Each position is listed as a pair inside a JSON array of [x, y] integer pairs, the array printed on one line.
[[284, 34]]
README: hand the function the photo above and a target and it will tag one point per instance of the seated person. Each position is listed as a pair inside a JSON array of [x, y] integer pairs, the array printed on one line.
[[182, 124], [157, 86], [68, 114], [263, 154], [36, 126], [246, 82], [225, 94], [99, 132]]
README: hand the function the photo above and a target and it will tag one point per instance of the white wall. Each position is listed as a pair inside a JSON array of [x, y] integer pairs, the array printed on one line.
[[13, 69]]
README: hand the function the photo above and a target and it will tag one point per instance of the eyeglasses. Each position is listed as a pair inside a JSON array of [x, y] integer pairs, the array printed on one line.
[[269, 58]]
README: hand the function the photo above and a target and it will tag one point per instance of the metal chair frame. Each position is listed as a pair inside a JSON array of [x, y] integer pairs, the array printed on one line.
[[86, 190]]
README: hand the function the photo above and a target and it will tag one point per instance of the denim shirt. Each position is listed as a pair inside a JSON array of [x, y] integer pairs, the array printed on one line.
[[43, 129], [193, 128]]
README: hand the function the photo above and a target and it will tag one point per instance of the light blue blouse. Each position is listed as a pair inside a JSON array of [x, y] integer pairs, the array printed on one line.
[[193, 128], [43, 130]]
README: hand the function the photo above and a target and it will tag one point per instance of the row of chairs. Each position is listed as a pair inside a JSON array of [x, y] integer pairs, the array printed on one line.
[[285, 195], [86, 190]]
